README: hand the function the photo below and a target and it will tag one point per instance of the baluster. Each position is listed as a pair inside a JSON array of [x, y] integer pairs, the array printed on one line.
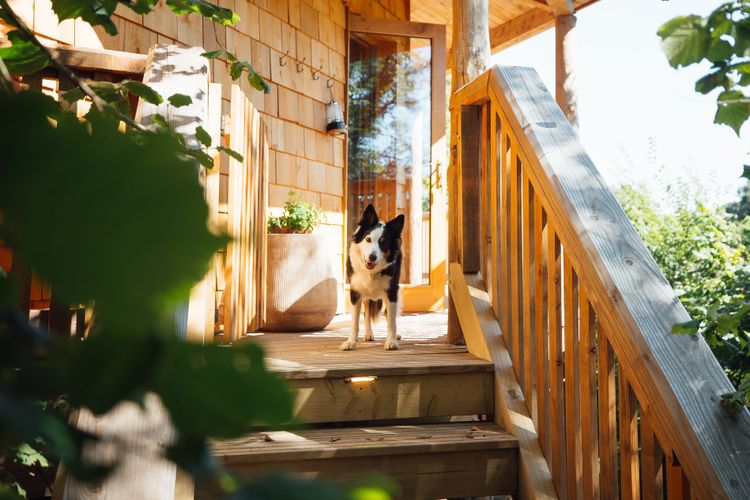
[[540, 320], [557, 401], [504, 253], [572, 403], [527, 219], [607, 416], [678, 487], [496, 163], [514, 244], [652, 471], [629, 468], [589, 436]]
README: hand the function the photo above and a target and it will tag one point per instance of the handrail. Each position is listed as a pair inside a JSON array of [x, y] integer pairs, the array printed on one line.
[[584, 310]]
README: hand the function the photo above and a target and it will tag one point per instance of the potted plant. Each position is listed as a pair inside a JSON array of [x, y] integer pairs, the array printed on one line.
[[300, 284]]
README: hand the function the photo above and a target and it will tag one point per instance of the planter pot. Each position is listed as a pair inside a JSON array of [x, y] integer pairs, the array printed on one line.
[[300, 284]]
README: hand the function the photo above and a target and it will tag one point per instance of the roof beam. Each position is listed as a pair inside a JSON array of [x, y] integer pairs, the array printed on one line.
[[520, 28], [561, 7]]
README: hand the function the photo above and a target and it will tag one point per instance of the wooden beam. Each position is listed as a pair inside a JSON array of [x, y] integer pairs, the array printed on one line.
[[112, 61], [471, 44], [520, 28]]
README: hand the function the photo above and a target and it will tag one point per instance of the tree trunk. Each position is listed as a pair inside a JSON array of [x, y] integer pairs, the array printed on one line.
[[471, 55], [471, 41], [565, 85]]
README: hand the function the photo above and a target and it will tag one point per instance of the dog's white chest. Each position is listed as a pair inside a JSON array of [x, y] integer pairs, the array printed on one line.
[[369, 286]]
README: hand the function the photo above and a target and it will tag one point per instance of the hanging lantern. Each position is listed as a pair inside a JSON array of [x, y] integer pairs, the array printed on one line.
[[334, 117]]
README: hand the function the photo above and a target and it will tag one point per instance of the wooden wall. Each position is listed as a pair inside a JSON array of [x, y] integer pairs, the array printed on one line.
[[303, 157]]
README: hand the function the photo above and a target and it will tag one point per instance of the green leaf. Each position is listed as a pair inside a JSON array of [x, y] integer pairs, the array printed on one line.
[[26, 455], [688, 327], [8, 293], [711, 81], [203, 136], [746, 172], [258, 83], [23, 57], [719, 50], [143, 91], [230, 385], [203, 158], [73, 95], [684, 40], [75, 187], [213, 12], [236, 68], [734, 114], [213, 54], [231, 152], [180, 100], [94, 12]]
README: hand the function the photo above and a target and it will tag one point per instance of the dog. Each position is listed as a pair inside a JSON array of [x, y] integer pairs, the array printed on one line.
[[373, 266]]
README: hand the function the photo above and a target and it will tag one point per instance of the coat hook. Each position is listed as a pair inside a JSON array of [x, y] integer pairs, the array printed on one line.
[[300, 69], [316, 73], [329, 83], [282, 59]]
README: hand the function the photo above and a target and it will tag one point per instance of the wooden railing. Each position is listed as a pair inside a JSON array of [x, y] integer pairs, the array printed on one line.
[[616, 404]]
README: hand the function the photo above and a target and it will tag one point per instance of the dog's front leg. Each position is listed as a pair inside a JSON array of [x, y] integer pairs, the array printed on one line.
[[351, 342], [368, 321], [391, 339]]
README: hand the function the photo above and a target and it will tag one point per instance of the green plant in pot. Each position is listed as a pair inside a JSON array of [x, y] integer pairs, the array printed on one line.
[[300, 283]]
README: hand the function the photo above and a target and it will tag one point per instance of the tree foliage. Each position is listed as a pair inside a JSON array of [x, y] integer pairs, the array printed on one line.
[[118, 219], [704, 253]]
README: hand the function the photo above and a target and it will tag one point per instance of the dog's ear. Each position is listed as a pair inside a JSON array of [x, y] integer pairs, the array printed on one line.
[[369, 217], [397, 224]]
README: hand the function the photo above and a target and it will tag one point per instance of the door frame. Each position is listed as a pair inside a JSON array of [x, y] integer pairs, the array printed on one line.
[[430, 297]]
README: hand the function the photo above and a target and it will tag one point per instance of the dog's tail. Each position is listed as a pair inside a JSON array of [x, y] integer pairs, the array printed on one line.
[[373, 309]]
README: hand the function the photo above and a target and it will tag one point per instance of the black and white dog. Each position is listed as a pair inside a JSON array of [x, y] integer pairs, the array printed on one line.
[[373, 267]]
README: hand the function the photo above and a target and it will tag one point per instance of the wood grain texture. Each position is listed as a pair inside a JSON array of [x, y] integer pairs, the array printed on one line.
[[588, 369], [629, 463], [112, 61], [427, 461], [676, 375], [470, 323], [607, 417], [469, 186], [652, 456]]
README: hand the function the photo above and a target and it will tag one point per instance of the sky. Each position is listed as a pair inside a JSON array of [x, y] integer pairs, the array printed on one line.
[[640, 120]]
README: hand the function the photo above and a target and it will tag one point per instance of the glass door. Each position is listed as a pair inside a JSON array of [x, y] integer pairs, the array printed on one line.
[[396, 105]]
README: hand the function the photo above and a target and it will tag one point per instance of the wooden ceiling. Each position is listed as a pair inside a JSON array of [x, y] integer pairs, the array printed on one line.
[[511, 21]]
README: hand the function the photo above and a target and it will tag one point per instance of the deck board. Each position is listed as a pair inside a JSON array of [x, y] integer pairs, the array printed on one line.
[[423, 350]]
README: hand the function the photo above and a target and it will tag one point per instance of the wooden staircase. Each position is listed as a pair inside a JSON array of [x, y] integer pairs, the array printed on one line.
[[420, 415]]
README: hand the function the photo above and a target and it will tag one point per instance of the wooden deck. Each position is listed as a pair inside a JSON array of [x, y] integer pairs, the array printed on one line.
[[423, 349]]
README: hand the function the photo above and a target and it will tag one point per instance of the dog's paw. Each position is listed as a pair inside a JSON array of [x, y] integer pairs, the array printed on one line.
[[348, 345], [391, 345], [369, 337]]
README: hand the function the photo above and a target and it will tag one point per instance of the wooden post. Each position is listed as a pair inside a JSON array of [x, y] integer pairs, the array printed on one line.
[[471, 54], [565, 76]]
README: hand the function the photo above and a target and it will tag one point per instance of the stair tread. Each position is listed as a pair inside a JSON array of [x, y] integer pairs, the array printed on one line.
[[423, 350], [364, 441]]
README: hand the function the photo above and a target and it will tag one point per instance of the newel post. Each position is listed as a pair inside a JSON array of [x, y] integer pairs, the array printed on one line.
[[470, 54]]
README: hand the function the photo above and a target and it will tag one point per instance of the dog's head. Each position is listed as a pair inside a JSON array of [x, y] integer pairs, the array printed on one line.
[[375, 244]]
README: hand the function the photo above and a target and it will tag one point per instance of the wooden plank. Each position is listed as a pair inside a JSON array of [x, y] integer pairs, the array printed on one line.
[[541, 326], [504, 275], [111, 61], [393, 397], [527, 281], [556, 453], [469, 187], [652, 470], [470, 325], [427, 461], [678, 487], [607, 416], [589, 435], [534, 479], [572, 376], [495, 166], [637, 304], [629, 467], [514, 252]]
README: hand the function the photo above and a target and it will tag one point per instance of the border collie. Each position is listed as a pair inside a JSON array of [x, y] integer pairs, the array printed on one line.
[[373, 267]]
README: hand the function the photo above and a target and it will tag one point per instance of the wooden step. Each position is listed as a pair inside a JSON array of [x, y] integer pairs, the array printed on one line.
[[427, 461], [425, 378]]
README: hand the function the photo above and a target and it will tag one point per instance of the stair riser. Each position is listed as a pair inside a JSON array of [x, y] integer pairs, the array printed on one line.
[[420, 476], [393, 397]]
